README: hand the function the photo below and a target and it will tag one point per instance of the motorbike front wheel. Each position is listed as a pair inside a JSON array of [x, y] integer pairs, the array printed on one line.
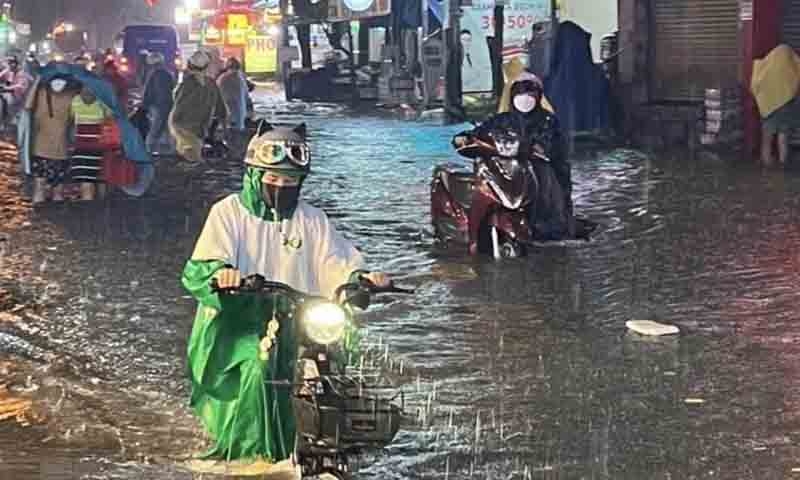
[[505, 248], [333, 475]]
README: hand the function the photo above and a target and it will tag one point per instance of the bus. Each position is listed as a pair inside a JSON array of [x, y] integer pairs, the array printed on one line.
[[136, 41]]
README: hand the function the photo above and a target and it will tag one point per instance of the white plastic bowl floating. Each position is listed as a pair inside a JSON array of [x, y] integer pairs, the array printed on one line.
[[649, 327]]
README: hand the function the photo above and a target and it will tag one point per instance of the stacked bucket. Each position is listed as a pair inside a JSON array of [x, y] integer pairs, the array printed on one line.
[[722, 122]]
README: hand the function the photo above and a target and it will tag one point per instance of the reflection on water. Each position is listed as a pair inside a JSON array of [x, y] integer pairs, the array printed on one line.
[[520, 369]]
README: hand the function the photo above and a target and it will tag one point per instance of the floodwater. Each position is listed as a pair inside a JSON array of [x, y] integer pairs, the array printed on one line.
[[515, 369]]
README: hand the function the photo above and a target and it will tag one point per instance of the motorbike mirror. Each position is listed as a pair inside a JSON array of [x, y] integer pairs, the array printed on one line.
[[461, 115]]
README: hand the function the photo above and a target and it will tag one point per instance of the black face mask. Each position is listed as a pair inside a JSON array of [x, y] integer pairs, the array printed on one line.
[[281, 199]]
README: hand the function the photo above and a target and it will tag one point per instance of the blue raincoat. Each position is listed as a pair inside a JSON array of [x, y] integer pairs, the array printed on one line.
[[576, 86], [132, 142]]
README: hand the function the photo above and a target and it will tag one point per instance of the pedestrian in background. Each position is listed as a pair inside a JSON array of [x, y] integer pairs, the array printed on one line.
[[157, 101], [775, 85], [15, 85], [88, 115], [51, 111], [197, 102], [233, 87]]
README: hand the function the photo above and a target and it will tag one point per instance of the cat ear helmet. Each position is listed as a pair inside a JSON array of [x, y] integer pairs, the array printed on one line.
[[280, 150]]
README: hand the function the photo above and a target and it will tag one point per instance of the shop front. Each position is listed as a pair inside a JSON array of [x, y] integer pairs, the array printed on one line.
[[682, 79], [695, 48]]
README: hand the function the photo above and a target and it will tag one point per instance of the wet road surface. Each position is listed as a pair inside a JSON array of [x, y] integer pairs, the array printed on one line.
[[517, 369]]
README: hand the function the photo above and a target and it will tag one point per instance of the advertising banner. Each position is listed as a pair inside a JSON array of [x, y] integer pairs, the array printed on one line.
[[238, 27], [477, 23]]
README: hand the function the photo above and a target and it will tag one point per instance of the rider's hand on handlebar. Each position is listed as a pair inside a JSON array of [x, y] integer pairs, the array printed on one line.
[[538, 148], [379, 279], [460, 141], [228, 278]]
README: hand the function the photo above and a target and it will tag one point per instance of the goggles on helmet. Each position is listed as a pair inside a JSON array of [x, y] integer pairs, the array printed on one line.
[[274, 155]]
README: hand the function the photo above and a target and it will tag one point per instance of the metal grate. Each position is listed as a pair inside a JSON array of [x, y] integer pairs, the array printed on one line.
[[695, 47]]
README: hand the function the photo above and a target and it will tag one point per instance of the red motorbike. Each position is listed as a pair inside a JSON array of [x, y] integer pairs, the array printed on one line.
[[485, 208]]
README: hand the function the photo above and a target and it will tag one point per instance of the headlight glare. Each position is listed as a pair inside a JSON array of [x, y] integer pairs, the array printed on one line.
[[324, 322]]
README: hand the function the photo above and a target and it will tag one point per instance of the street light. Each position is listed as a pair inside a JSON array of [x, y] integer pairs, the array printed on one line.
[[182, 16]]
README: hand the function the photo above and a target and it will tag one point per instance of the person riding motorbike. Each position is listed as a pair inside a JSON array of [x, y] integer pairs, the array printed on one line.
[[543, 144], [265, 229]]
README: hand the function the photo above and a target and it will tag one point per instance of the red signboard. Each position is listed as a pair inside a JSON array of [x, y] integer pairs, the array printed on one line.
[[237, 5]]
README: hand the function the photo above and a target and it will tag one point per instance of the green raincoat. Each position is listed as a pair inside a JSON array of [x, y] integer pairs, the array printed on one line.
[[245, 417]]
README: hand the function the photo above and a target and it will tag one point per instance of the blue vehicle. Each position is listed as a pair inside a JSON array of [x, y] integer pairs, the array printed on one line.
[[139, 40]]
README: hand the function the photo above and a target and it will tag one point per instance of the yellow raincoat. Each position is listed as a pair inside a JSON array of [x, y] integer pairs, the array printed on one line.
[[776, 79]]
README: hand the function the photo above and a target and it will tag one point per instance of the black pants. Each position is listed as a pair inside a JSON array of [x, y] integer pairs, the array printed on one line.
[[550, 215]]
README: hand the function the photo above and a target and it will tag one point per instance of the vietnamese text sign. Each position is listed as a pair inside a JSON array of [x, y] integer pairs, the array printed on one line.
[[261, 54]]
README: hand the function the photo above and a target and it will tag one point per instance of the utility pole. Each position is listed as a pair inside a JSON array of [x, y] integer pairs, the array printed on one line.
[[497, 49], [284, 66], [453, 54]]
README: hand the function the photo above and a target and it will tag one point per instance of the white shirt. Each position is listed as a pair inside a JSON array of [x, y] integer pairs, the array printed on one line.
[[305, 252]]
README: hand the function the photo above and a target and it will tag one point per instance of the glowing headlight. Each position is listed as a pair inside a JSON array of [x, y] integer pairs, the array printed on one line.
[[324, 322]]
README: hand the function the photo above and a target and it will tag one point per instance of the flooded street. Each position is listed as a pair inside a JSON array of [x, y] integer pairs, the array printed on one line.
[[515, 369]]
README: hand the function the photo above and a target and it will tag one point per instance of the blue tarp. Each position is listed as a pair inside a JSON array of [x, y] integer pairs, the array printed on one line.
[[408, 13], [132, 142], [576, 86], [437, 7]]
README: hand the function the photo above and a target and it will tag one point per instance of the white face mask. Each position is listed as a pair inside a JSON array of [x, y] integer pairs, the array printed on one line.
[[58, 85], [524, 103]]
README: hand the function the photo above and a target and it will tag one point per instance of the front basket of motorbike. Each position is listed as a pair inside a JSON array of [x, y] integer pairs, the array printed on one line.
[[344, 421]]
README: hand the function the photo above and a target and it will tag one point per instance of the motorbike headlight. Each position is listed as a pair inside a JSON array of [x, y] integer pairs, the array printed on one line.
[[324, 322]]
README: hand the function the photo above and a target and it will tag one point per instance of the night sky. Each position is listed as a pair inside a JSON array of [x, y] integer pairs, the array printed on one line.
[[102, 18]]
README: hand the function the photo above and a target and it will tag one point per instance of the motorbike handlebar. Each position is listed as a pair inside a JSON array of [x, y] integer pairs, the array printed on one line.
[[366, 284], [252, 284], [258, 284], [540, 156]]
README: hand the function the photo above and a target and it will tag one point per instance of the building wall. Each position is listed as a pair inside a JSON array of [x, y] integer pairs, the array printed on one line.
[[632, 84], [649, 124]]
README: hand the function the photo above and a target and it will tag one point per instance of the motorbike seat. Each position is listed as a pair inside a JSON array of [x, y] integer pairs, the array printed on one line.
[[458, 180]]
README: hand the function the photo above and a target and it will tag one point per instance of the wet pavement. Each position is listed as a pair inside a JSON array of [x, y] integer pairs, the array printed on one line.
[[515, 369]]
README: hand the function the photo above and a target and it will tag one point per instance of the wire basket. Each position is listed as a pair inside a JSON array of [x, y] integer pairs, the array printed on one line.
[[347, 421]]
